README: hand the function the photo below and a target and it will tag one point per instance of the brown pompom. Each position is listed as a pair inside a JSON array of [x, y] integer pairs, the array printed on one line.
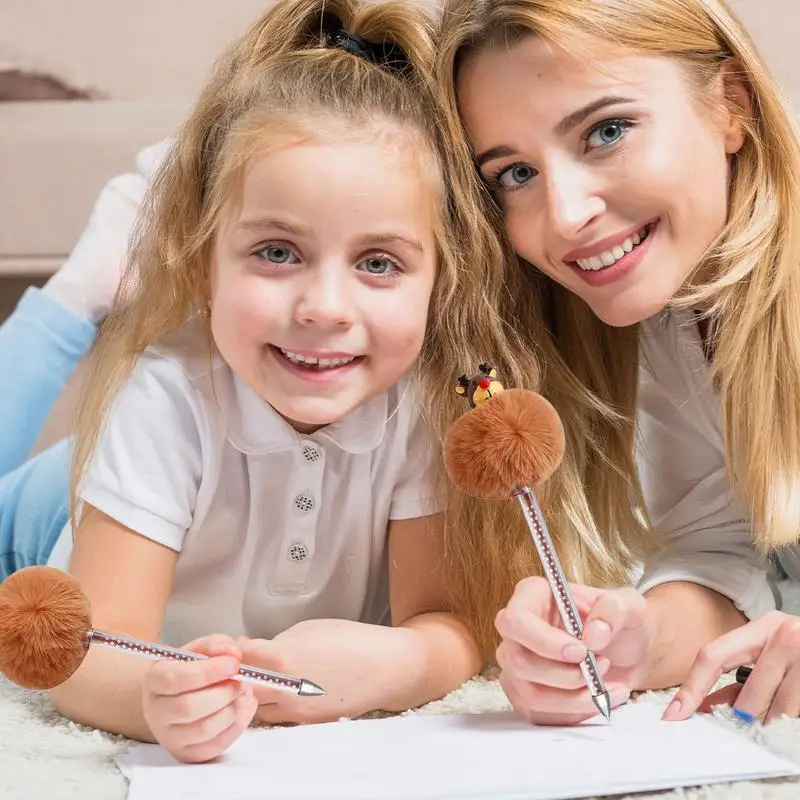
[[44, 618], [515, 439]]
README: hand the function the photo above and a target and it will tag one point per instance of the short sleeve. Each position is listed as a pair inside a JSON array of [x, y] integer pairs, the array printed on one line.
[[415, 492], [145, 471]]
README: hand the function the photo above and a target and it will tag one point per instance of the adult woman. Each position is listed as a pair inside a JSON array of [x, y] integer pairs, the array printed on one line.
[[648, 176]]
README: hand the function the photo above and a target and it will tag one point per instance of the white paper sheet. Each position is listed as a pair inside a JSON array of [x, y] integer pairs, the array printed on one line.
[[496, 755]]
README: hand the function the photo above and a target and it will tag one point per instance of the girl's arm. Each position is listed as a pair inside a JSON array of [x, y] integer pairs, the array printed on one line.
[[427, 652], [128, 579], [191, 708], [441, 654]]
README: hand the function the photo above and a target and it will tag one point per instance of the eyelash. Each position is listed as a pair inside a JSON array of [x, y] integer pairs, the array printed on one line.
[[495, 181], [396, 265], [624, 125], [260, 252]]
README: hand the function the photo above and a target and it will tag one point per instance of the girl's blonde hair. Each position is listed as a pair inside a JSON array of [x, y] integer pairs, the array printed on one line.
[[748, 281], [286, 73], [283, 71]]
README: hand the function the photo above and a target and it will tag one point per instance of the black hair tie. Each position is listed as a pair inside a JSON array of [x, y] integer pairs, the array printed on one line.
[[384, 54]]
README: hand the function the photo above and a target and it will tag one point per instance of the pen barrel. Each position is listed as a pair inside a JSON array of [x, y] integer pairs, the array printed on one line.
[[157, 652], [554, 574], [591, 674]]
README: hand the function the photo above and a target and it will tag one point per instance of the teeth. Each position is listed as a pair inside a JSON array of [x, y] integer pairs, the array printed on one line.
[[319, 363], [613, 255]]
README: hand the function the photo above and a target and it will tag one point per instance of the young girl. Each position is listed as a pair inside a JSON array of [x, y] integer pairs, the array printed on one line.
[[249, 456], [648, 176]]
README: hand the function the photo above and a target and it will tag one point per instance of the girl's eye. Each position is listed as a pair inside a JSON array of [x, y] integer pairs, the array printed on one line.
[[606, 133], [380, 266], [514, 176], [277, 254]]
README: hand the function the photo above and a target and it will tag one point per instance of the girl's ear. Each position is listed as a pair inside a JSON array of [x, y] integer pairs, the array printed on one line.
[[738, 100]]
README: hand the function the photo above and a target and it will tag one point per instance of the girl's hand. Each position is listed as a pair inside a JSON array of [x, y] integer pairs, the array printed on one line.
[[539, 659], [359, 666], [773, 688], [194, 709]]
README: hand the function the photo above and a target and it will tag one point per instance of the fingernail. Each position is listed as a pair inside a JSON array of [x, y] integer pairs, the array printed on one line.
[[231, 665], [619, 695], [673, 711], [602, 665], [574, 652], [246, 690], [597, 634]]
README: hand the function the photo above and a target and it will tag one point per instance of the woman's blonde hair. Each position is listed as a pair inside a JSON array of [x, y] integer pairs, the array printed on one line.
[[748, 283], [545, 341]]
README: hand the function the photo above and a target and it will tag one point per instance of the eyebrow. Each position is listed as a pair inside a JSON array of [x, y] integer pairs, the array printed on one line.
[[265, 223], [262, 223], [562, 128], [576, 117], [389, 239]]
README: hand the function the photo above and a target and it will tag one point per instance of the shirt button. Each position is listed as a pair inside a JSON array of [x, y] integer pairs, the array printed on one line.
[[311, 452], [298, 552], [304, 502]]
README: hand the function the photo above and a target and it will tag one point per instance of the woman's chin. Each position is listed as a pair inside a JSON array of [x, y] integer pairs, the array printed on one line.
[[622, 312]]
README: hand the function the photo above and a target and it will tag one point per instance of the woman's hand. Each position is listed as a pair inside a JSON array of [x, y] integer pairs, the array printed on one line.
[[194, 708], [773, 688], [539, 659]]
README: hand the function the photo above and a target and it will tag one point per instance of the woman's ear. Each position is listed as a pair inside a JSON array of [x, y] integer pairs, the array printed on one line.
[[738, 102]]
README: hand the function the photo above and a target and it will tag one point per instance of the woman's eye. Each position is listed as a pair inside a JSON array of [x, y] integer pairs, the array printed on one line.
[[608, 132], [514, 176], [379, 265], [277, 254]]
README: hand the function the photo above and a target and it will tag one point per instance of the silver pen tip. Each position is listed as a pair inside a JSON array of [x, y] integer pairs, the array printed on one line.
[[603, 703], [309, 689]]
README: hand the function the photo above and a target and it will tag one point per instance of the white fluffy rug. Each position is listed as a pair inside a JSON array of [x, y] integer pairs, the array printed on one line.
[[45, 757]]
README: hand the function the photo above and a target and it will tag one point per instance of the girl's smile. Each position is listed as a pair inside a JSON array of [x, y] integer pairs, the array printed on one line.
[[316, 366], [322, 278]]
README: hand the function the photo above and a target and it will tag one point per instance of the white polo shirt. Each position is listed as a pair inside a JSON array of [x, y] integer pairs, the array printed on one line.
[[707, 535], [272, 527]]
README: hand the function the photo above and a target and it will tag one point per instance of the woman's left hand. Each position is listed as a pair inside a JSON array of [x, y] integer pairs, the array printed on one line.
[[352, 661], [773, 688]]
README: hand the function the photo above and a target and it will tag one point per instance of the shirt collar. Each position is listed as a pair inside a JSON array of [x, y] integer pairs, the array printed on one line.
[[254, 427]]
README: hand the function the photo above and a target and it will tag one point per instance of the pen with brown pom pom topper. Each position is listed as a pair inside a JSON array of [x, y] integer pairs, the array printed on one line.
[[46, 631], [507, 443]]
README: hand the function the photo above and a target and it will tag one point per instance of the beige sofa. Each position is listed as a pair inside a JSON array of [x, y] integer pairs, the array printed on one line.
[[145, 61]]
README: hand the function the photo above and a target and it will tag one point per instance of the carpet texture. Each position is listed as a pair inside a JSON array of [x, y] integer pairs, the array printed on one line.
[[45, 757]]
